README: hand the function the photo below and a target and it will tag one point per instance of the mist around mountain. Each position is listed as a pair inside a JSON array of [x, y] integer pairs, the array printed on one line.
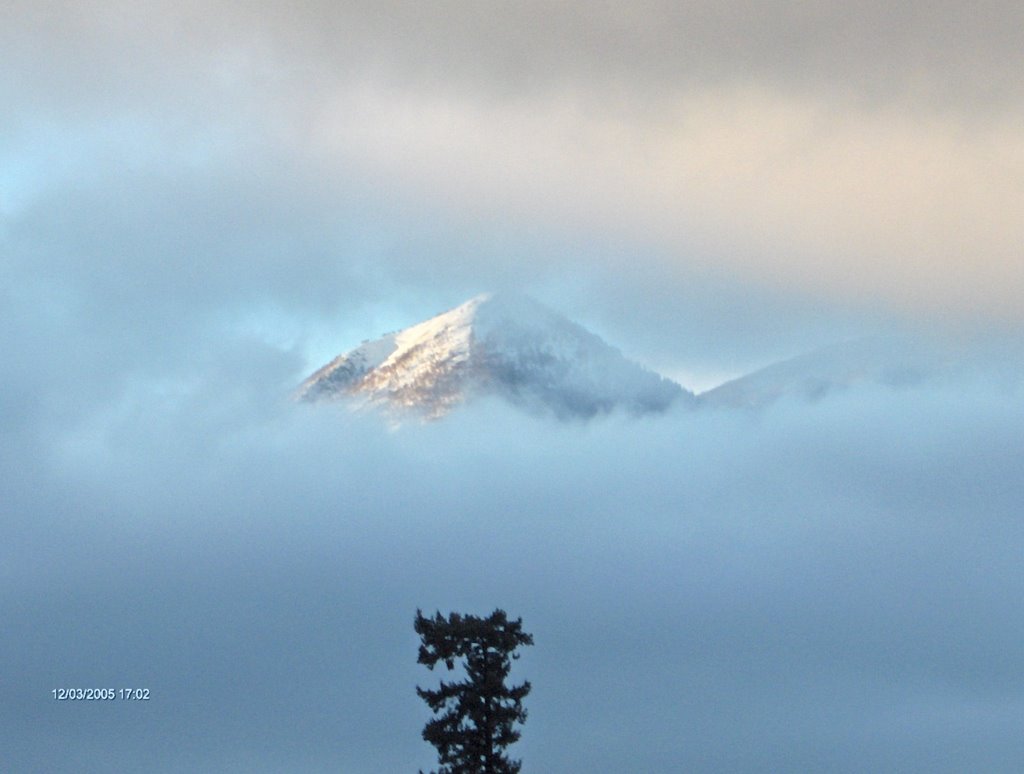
[[892, 361], [510, 347], [828, 582], [819, 586]]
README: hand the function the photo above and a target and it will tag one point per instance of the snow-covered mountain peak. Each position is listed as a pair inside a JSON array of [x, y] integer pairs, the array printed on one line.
[[500, 344]]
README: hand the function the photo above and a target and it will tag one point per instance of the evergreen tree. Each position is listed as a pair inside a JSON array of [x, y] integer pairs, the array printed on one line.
[[475, 716]]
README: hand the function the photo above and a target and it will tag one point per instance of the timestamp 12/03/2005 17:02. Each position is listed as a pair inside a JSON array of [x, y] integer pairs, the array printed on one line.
[[101, 694]]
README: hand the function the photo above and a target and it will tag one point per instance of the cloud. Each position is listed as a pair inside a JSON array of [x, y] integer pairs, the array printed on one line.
[[910, 212], [867, 160], [712, 589]]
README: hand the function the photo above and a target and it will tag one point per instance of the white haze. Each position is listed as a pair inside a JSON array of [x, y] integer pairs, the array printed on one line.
[[824, 586]]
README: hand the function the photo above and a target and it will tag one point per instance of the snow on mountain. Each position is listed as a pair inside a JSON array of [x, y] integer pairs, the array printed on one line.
[[495, 344], [894, 361]]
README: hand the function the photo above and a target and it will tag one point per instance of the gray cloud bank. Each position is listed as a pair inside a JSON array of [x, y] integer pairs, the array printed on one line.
[[943, 52], [817, 586], [832, 156]]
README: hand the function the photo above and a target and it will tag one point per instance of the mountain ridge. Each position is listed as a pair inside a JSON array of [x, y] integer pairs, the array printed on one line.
[[494, 344], [512, 347], [891, 360]]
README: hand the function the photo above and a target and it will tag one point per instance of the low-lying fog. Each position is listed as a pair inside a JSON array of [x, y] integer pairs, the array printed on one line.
[[816, 586]]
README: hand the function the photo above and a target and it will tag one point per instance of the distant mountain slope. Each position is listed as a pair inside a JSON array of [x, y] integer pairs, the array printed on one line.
[[504, 345], [886, 360]]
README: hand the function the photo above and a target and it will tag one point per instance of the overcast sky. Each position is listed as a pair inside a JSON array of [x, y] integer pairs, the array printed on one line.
[[201, 202], [775, 173]]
